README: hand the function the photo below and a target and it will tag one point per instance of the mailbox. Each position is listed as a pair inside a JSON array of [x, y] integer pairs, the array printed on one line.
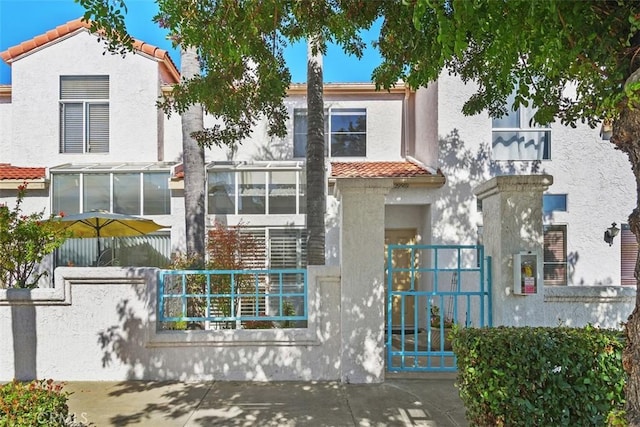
[[526, 275]]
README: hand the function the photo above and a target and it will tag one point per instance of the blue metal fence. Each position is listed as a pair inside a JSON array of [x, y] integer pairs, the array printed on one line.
[[232, 298], [429, 288]]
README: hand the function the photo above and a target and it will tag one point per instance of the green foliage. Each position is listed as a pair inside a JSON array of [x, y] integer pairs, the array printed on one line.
[[540, 376], [617, 418], [37, 403], [581, 45], [240, 49], [24, 241]]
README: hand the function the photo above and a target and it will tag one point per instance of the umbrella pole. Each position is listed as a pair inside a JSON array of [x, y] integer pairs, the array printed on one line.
[[98, 254]]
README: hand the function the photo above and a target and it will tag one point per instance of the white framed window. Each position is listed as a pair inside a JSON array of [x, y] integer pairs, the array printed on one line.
[[516, 136], [132, 193], [256, 191], [628, 256], [276, 248], [84, 114], [345, 132], [555, 255]]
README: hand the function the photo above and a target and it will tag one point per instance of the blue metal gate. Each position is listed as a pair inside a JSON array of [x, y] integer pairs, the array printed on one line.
[[429, 288]]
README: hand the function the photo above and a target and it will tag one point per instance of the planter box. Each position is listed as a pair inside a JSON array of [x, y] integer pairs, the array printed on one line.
[[435, 339]]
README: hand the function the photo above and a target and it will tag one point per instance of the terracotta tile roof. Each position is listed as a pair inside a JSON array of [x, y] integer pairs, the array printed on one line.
[[7, 171], [72, 26], [397, 169]]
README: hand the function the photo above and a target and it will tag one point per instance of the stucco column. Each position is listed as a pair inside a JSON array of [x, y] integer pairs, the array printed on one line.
[[512, 223], [362, 275]]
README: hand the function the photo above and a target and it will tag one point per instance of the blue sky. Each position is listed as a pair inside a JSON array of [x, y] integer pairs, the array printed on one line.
[[21, 20]]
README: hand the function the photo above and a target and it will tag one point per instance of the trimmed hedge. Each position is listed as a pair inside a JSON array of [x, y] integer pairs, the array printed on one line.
[[528, 376], [35, 403]]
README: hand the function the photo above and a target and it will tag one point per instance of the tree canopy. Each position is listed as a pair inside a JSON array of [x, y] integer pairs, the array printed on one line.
[[569, 58], [244, 76]]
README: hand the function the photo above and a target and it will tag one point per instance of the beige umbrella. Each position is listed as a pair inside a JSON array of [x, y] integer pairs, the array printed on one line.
[[106, 224]]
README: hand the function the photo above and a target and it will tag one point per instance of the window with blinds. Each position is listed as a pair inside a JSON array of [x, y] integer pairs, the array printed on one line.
[[628, 256], [555, 255], [84, 114], [274, 248]]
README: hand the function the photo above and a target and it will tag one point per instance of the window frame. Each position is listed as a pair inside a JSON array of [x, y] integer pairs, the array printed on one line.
[[524, 116], [82, 191], [87, 127], [552, 281], [552, 206], [299, 146], [628, 256], [235, 205]]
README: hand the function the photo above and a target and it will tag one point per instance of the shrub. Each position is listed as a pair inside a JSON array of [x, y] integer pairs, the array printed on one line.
[[37, 403], [24, 242], [540, 376]]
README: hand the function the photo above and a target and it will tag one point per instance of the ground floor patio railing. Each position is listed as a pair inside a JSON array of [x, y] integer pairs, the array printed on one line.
[[232, 299]]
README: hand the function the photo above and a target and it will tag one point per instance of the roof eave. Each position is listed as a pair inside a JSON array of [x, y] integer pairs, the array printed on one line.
[[432, 181], [346, 88], [32, 184]]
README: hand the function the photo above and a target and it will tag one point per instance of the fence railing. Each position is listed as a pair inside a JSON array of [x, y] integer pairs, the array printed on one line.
[[232, 299]]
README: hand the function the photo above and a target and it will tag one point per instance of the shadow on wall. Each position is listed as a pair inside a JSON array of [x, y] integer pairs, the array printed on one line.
[[274, 149], [126, 343], [25, 342], [465, 169]]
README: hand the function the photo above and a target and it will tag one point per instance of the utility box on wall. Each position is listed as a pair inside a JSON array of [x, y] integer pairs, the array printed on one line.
[[526, 275]]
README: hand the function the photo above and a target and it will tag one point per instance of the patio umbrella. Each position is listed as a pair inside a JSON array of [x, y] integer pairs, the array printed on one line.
[[106, 224]]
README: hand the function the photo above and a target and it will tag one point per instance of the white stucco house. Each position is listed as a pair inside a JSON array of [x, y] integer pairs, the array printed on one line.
[[83, 129], [404, 167]]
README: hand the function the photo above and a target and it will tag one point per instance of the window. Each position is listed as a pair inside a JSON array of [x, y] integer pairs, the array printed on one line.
[[554, 203], [132, 193], [515, 136], [155, 190], [252, 198], [628, 256], [256, 192], [96, 192], [126, 193], [345, 132], [84, 114], [277, 249], [65, 193], [555, 255]]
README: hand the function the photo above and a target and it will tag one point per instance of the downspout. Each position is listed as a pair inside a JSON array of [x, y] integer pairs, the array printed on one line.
[[405, 126]]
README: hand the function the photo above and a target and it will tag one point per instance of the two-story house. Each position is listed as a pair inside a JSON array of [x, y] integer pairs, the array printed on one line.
[[84, 130]]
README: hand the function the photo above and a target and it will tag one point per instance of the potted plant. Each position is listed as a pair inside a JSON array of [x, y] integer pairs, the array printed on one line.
[[439, 321]]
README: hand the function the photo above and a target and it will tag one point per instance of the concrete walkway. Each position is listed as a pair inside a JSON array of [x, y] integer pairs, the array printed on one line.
[[431, 402]]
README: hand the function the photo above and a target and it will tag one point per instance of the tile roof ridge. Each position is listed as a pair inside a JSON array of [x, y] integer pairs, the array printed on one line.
[[71, 27]]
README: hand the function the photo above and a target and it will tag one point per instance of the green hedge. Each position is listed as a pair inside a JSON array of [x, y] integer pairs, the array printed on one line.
[[539, 376]]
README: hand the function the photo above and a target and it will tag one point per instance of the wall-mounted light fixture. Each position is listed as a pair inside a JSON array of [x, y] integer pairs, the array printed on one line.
[[611, 233]]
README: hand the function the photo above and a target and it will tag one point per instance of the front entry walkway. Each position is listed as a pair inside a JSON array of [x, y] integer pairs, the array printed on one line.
[[396, 402]]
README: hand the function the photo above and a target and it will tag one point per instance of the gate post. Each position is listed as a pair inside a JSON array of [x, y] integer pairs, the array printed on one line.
[[512, 222], [362, 276]]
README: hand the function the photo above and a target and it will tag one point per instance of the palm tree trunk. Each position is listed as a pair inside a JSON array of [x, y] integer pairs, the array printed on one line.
[[194, 169], [316, 180]]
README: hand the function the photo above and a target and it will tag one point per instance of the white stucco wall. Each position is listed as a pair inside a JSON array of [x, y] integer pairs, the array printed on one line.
[[596, 178], [133, 90], [384, 130], [99, 324], [425, 145], [5, 131]]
